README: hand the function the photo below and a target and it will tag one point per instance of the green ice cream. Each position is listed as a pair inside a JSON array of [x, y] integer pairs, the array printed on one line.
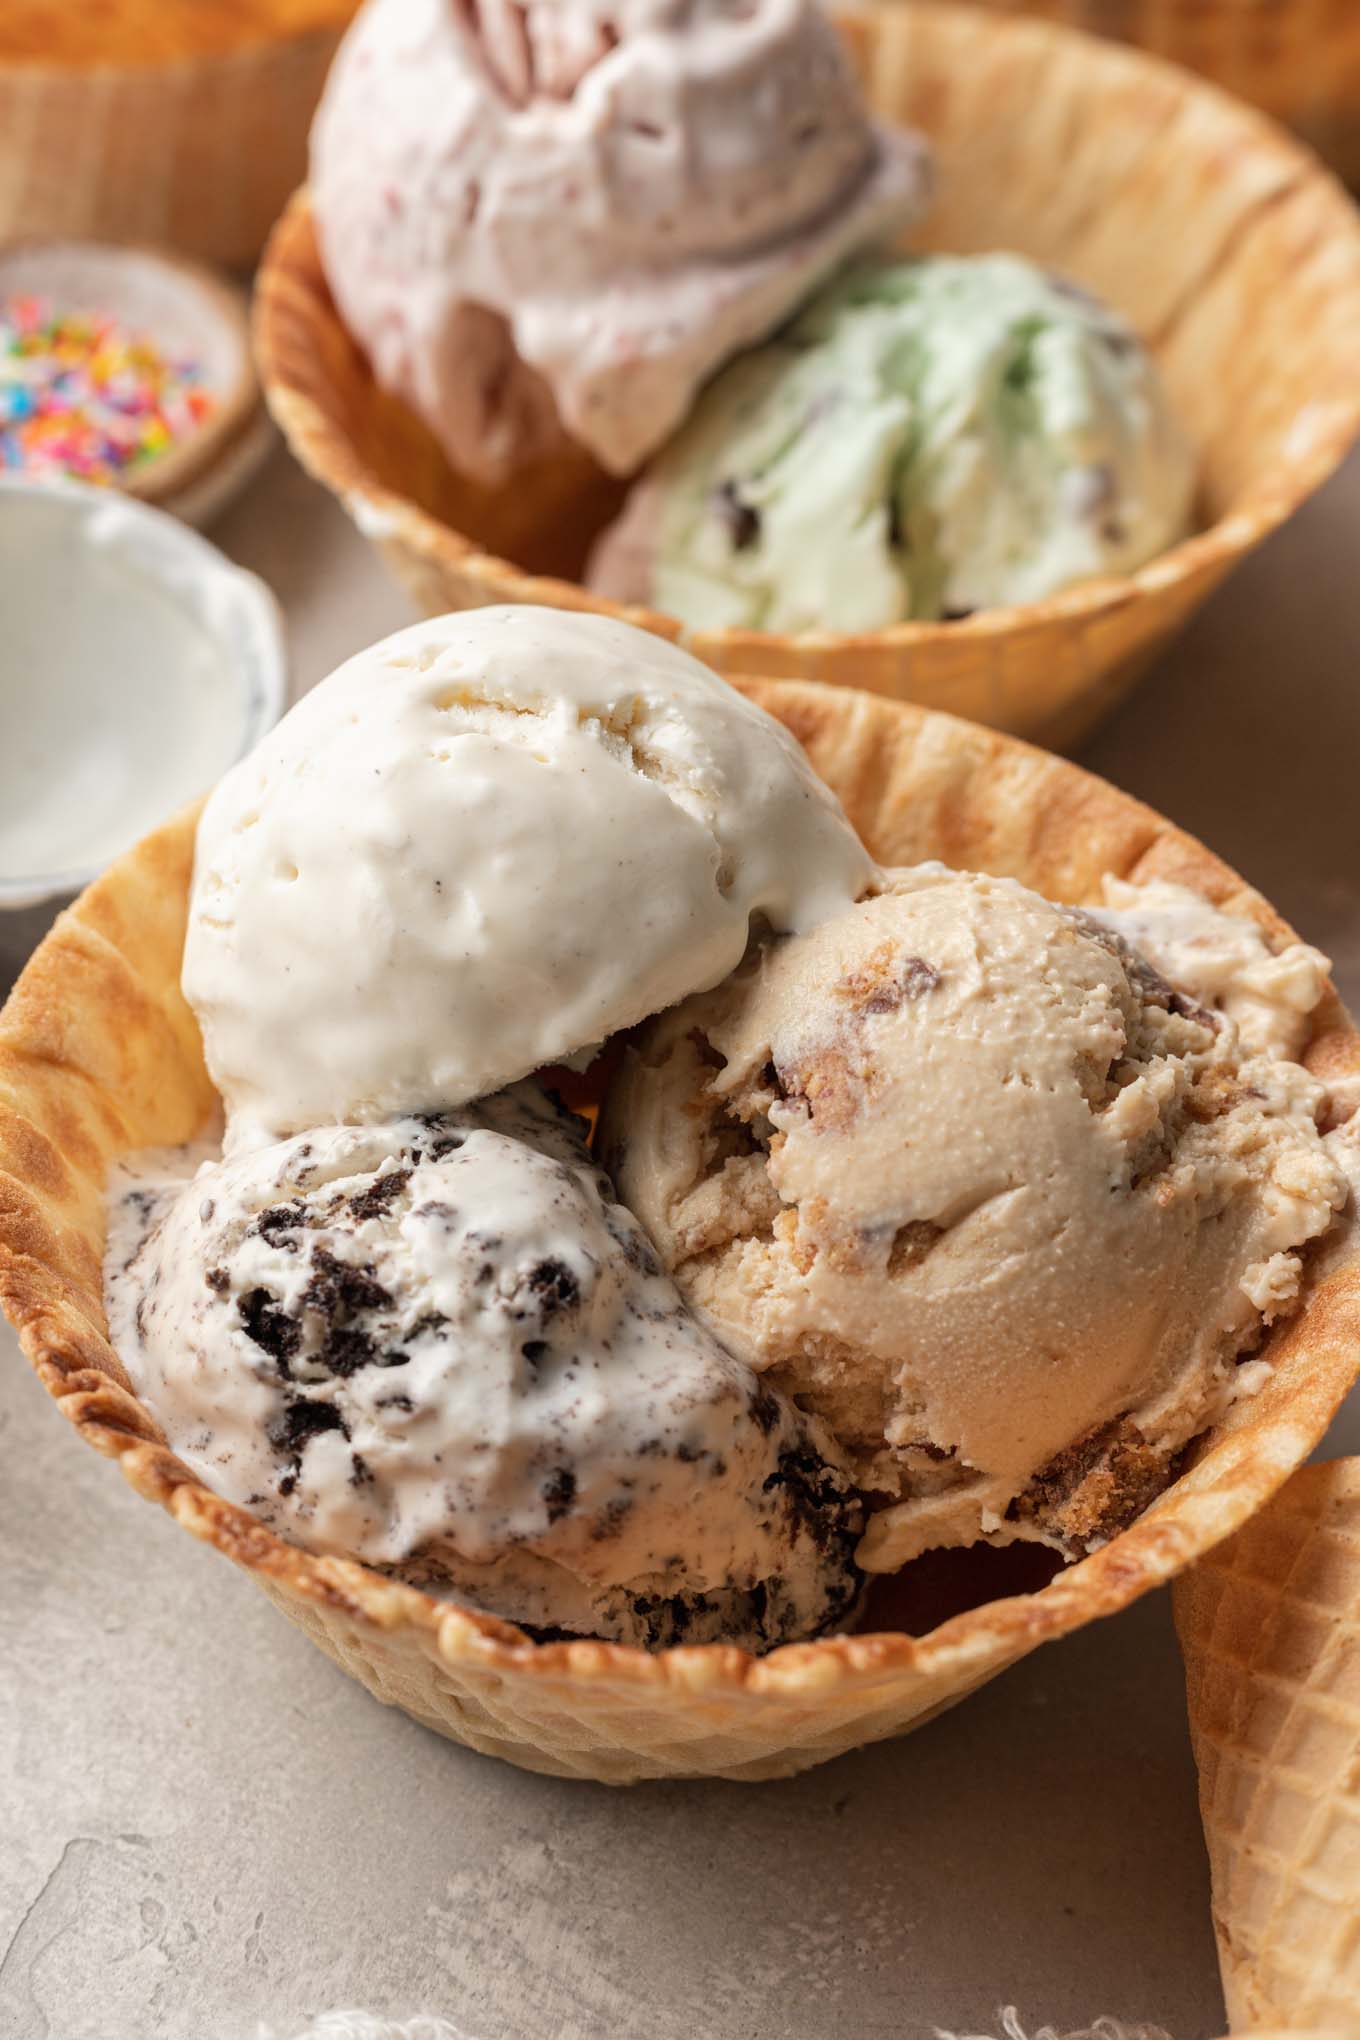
[[926, 438]]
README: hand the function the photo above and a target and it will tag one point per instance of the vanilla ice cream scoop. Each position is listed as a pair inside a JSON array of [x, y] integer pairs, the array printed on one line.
[[480, 847], [537, 211], [439, 1346], [969, 1179]]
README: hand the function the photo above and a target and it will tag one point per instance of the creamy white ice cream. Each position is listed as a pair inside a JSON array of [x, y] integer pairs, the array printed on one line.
[[479, 848], [440, 1346], [969, 1179], [544, 210]]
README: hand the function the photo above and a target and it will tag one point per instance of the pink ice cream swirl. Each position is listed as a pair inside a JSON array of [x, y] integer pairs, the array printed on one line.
[[567, 213]]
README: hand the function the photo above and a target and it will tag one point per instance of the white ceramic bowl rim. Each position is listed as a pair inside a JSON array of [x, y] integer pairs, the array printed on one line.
[[233, 605]]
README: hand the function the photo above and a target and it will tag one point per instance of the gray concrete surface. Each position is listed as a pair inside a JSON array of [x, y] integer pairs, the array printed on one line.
[[207, 1831]]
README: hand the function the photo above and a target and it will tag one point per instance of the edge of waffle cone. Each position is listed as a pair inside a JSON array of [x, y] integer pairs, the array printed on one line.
[[1269, 1625], [99, 1054], [198, 153], [1116, 173], [1301, 64]]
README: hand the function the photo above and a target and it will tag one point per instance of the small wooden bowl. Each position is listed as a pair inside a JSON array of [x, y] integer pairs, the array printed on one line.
[[1298, 60], [171, 121], [1228, 246]]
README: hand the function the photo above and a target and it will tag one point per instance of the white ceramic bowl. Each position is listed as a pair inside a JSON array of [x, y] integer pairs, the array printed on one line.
[[137, 664]]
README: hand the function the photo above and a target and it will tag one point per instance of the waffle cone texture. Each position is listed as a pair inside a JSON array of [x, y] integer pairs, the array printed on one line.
[[1233, 252], [1270, 1627], [198, 154], [99, 1055], [1299, 60]]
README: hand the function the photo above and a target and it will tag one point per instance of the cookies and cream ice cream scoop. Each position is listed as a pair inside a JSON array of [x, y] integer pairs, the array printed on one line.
[[966, 1176], [574, 210], [440, 1345], [926, 438], [480, 847]]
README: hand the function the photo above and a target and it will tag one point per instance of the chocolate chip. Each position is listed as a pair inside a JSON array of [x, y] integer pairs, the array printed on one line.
[[559, 1492], [269, 1325], [337, 1286], [218, 1280], [553, 1287], [432, 1325], [346, 1349], [740, 520], [1190, 1009], [765, 1411], [1065, 287], [534, 1350], [277, 1221], [612, 1518], [380, 1196], [302, 1421], [817, 1500], [637, 1249]]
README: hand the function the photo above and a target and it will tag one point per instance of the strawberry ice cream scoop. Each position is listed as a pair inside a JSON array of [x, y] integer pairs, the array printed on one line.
[[567, 213]]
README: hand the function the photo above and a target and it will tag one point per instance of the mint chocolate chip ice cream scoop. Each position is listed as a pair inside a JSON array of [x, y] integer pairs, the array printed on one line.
[[927, 438]]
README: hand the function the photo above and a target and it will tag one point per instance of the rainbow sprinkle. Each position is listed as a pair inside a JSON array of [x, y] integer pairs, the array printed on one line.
[[80, 395]]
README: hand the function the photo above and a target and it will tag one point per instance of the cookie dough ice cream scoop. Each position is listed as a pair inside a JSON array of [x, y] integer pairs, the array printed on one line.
[[925, 439], [969, 1179], [441, 1346], [480, 847], [573, 210]]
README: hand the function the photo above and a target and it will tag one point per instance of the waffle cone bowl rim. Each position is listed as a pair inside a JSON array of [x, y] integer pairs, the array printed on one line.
[[59, 1316], [292, 301]]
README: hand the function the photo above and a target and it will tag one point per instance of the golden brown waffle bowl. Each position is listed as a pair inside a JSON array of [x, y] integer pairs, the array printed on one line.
[[194, 151], [99, 1055], [1297, 59], [1270, 1627], [1235, 254]]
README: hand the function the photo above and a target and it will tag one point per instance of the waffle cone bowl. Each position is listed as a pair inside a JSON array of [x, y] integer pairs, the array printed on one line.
[[1270, 1627], [100, 1055], [194, 150], [1297, 59], [1233, 252]]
